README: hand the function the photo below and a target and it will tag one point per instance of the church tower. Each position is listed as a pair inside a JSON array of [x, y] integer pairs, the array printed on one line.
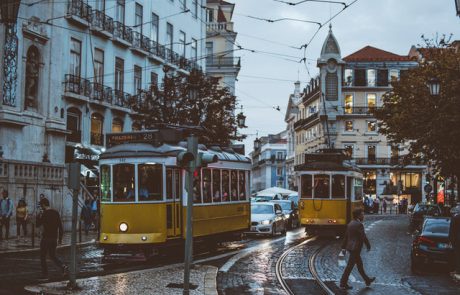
[[331, 66]]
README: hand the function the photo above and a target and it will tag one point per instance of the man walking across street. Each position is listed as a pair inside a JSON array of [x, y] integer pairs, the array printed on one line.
[[52, 233], [353, 242], [455, 238], [6, 210]]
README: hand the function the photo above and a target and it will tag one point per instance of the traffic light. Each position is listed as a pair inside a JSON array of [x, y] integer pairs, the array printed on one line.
[[184, 158], [205, 158]]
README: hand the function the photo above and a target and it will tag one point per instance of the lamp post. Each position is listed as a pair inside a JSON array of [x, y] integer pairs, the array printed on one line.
[[9, 16], [241, 119]]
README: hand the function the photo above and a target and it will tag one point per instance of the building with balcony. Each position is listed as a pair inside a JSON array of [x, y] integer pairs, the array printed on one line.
[[220, 41], [81, 66], [336, 112], [269, 162]]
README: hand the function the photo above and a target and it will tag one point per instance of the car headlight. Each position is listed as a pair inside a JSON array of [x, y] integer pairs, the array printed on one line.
[[123, 227], [287, 215], [265, 222]]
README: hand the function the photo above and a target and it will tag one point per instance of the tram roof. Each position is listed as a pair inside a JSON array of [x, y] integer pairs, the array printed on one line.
[[327, 159], [140, 150]]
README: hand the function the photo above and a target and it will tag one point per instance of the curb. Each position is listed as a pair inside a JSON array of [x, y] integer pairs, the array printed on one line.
[[38, 248]]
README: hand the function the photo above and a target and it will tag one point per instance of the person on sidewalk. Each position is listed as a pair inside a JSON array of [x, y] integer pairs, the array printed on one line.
[[353, 242], [51, 235], [21, 219], [85, 216], [6, 211], [384, 206], [455, 239]]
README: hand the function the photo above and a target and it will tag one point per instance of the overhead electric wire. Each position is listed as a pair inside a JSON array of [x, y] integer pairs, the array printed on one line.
[[303, 1]]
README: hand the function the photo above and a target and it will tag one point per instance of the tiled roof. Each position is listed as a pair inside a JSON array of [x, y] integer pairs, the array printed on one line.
[[370, 53]]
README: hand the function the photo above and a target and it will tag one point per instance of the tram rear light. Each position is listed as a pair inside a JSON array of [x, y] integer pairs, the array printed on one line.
[[105, 238], [144, 238], [332, 221]]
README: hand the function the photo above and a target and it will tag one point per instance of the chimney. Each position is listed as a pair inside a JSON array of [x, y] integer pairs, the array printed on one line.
[[297, 88]]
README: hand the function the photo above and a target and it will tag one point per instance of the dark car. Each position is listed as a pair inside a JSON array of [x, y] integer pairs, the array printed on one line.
[[420, 211], [432, 244], [290, 211]]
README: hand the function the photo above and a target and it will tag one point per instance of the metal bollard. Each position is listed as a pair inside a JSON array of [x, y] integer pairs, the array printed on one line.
[[33, 235]]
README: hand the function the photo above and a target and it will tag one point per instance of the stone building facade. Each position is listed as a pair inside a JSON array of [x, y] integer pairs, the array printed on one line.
[[335, 112], [79, 67]]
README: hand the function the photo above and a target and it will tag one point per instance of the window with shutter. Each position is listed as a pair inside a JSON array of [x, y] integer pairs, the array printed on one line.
[[331, 86]]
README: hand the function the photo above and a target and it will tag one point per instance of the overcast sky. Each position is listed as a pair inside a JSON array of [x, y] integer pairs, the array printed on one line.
[[392, 25]]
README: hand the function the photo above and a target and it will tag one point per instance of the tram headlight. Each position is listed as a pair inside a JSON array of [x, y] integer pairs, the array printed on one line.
[[123, 227], [265, 222], [144, 238]]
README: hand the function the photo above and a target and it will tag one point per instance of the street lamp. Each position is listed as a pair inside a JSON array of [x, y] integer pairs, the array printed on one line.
[[256, 144], [9, 16], [241, 119], [434, 85]]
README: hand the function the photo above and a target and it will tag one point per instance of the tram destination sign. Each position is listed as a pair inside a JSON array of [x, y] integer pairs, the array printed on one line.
[[114, 139]]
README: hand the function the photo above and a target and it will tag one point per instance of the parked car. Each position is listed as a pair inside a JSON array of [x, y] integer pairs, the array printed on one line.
[[267, 218], [290, 211], [432, 243], [420, 211]]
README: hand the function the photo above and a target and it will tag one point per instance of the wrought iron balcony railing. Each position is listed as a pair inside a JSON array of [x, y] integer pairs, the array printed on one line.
[[216, 27], [101, 93], [77, 85], [141, 42], [385, 161], [80, 9], [123, 32], [223, 62], [100, 20], [305, 121], [121, 98], [358, 110]]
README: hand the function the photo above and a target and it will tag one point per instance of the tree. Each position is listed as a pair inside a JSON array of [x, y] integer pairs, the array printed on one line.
[[429, 124], [209, 106]]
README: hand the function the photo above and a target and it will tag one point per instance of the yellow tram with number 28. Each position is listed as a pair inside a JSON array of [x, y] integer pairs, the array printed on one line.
[[143, 195], [330, 188]]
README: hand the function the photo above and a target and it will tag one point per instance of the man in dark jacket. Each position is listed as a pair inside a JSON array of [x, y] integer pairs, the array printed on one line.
[[51, 235], [455, 238], [354, 239]]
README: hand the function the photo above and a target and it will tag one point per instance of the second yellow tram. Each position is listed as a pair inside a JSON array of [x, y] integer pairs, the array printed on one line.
[[330, 188]]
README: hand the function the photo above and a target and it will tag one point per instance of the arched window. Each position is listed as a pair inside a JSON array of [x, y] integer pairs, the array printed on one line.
[[74, 125], [97, 123], [117, 125], [32, 78]]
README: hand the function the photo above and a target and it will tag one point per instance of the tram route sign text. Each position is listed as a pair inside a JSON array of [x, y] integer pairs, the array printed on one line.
[[131, 137]]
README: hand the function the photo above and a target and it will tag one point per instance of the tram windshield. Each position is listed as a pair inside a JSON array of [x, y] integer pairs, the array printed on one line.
[[261, 209], [338, 186], [322, 186], [123, 183], [150, 178]]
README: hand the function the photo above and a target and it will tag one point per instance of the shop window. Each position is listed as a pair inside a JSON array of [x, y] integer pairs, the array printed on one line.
[[150, 182], [123, 183], [216, 189], [234, 185], [370, 183], [321, 186], [106, 184], [338, 186]]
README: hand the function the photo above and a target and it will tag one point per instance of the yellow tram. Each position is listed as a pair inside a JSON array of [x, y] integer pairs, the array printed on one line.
[[143, 195], [330, 188]]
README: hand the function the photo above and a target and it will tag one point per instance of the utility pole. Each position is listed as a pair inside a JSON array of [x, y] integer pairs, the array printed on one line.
[[192, 148], [74, 184]]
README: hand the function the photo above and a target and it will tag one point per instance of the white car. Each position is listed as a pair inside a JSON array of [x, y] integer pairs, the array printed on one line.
[[267, 218]]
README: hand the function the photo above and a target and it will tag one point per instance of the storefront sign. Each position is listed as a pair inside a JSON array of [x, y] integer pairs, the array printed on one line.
[[131, 137]]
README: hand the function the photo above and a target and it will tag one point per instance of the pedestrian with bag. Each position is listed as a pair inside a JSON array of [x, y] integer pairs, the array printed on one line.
[[51, 236], [6, 211], [86, 216], [455, 240], [355, 238], [21, 219]]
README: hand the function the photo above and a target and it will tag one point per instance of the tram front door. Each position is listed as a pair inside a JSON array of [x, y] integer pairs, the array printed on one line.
[[173, 202]]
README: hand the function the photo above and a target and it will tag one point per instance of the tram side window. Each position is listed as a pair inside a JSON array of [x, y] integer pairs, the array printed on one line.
[[338, 186], [349, 187], [169, 183], [197, 186], [225, 185], [234, 183], [207, 193], [216, 185], [307, 188], [123, 183], [358, 189], [105, 183], [150, 182], [178, 182], [321, 186], [242, 185]]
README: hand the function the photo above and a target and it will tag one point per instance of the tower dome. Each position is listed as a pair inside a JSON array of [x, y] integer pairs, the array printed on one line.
[[331, 47]]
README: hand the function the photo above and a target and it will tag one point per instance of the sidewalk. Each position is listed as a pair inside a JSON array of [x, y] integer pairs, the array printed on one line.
[[160, 280], [12, 245]]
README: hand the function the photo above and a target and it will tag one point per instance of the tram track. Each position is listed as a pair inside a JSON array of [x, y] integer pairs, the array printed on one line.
[[311, 267]]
